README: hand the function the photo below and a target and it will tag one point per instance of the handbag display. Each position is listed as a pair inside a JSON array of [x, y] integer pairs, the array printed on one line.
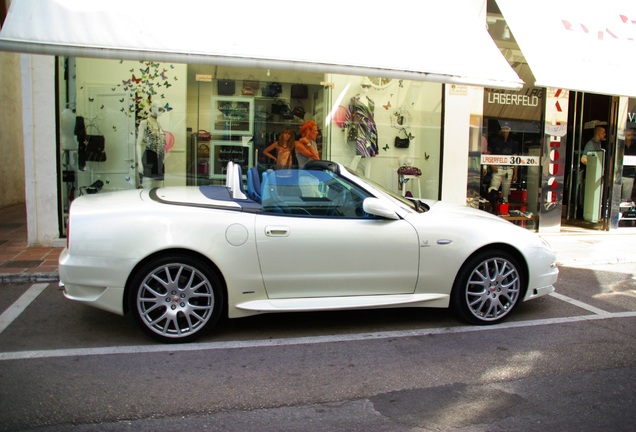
[[279, 107], [203, 167], [203, 151], [287, 113], [250, 86], [409, 170], [402, 142], [247, 91], [272, 89], [299, 111], [95, 148], [283, 110], [299, 91], [204, 135], [226, 87]]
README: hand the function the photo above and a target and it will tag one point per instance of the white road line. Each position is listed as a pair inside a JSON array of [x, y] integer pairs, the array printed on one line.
[[145, 349], [20, 305], [580, 304]]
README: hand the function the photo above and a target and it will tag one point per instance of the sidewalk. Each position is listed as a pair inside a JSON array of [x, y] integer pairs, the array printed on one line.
[[19, 263], [576, 247]]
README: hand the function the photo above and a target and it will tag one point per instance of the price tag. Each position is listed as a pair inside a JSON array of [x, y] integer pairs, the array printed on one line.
[[489, 159]]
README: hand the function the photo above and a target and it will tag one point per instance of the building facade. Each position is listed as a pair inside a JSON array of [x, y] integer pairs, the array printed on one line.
[[84, 107]]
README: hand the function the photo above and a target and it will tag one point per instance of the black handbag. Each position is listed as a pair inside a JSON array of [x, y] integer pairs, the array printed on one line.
[[272, 89], [402, 142], [226, 87], [95, 148], [299, 111], [299, 91], [279, 107], [287, 113]]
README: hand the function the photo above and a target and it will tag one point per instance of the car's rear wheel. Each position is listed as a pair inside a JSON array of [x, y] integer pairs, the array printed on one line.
[[488, 287], [174, 299]]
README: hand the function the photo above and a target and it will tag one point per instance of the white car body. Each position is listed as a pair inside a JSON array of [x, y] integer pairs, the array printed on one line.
[[276, 262]]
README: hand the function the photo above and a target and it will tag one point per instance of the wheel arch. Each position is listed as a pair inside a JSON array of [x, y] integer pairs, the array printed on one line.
[[525, 271], [175, 252]]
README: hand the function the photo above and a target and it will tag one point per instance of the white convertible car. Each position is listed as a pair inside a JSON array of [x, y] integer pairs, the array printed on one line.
[[315, 239]]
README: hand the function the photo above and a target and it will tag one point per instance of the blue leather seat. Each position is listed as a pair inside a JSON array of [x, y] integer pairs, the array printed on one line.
[[253, 185]]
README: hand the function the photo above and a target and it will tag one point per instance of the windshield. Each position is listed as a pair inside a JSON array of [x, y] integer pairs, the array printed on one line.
[[408, 203]]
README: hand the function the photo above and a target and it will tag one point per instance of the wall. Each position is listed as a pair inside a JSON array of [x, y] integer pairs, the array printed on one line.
[[11, 148]]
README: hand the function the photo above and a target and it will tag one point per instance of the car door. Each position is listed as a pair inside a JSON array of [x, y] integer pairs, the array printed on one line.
[[312, 254]]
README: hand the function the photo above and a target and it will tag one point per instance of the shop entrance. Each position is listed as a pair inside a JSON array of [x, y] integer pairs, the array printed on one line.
[[591, 148]]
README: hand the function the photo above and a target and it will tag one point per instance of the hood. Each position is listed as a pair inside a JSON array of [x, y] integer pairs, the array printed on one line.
[[450, 209]]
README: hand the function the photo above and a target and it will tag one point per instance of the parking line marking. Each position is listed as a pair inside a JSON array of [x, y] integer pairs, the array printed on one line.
[[20, 305], [147, 349], [580, 304]]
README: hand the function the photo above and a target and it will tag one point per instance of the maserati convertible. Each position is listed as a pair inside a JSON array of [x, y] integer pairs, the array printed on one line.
[[320, 238]]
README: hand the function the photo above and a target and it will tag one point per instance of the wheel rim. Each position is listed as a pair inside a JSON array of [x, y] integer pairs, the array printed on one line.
[[493, 289], [175, 300]]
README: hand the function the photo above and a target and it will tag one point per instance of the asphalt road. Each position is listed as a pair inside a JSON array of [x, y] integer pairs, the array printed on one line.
[[563, 362]]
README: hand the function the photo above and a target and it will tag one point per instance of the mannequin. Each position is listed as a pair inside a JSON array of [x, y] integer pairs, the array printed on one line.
[[151, 141], [362, 128]]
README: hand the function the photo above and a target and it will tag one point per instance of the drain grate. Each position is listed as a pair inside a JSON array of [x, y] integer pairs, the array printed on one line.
[[21, 264]]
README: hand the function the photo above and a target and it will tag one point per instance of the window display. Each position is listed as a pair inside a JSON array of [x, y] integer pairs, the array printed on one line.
[[132, 124]]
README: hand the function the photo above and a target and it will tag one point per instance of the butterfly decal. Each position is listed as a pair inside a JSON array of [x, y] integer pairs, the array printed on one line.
[[167, 107], [426, 156], [167, 84], [91, 99], [387, 106], [145, 71], [386, 147], [135, 79]]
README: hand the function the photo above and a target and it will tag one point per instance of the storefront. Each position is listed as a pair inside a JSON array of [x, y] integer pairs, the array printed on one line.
[[207, 115], [582, 64], [219, 89]]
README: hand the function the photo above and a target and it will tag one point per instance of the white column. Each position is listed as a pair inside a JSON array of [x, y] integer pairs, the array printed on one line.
[[39, 132]]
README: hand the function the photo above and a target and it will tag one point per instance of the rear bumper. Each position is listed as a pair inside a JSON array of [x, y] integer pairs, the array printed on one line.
[[93, 281]]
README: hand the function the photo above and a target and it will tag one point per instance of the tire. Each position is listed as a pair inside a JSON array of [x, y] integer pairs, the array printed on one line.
[[488, 287], [176, 299]]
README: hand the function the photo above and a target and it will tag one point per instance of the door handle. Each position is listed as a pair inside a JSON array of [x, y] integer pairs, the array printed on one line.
[[276, 231]]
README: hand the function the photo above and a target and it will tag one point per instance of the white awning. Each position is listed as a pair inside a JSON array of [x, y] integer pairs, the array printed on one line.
[[432, 41], [583, 45]]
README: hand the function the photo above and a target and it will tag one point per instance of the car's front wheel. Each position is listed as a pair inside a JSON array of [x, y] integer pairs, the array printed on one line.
[[488, 287], [174, 299]]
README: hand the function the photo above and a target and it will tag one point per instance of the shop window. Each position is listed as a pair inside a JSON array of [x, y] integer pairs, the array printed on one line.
[[136, 124]]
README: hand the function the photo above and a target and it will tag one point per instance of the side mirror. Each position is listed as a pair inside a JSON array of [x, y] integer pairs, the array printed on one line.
[[379, 208]]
